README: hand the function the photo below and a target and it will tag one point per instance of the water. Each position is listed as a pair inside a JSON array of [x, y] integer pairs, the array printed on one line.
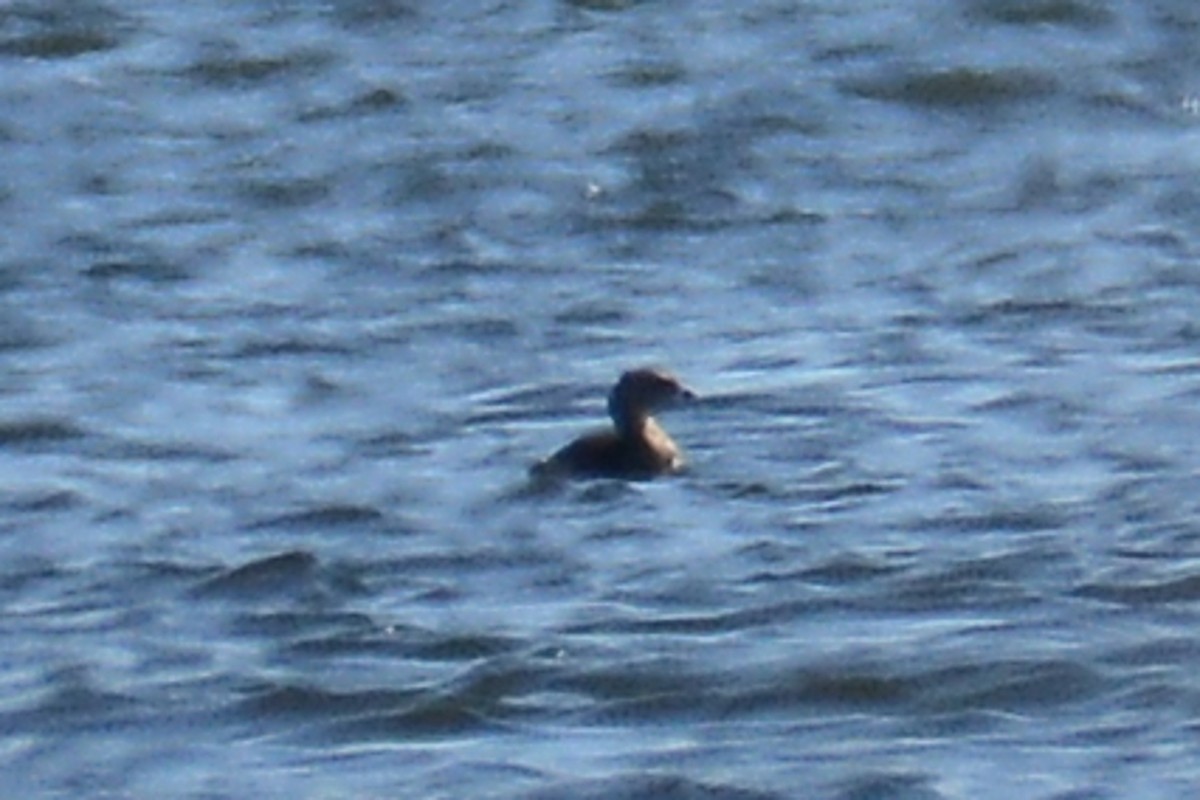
[[291, 294]]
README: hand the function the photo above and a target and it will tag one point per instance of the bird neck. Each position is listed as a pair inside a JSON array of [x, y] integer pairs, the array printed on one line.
[[629, 420]]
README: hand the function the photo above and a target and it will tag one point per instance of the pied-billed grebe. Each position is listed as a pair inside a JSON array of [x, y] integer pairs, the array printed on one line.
[[636, 448]]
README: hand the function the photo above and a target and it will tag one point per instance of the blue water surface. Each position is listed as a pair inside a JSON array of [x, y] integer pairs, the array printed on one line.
[[292, 294]]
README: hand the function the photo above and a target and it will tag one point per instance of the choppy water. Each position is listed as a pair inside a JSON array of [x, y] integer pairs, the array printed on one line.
[[292, 293]]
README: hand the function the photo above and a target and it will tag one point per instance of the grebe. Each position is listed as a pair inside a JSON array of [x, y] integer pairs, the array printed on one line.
[[637, 447]]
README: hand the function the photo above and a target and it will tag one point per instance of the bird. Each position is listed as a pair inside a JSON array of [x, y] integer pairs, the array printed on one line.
[[636, 447]]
